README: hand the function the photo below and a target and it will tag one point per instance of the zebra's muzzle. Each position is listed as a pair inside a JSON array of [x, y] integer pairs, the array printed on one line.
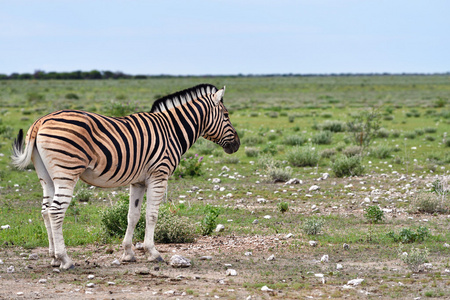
[[233, 146]]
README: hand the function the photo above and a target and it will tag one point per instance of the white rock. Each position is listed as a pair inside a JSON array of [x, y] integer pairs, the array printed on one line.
[[115, 262], [111, 283], [288, 236], [446, 245], [325, 176], [178, 261], [226, 169], [10, 269], [1, 262], [266, 289], [222, 189], [261, 200], [313, 243], [270, 258], [314, 188], [248, 254], [19, 294], [255, 221], [267, 217], [139, 246], [169, 292], [33, 256], [56, 270], [220, 228], [324, 258], [339, 266], [42, 280], [319, 275], [5, 226], [355, 282], [428, 265], [90, 285], [90, 277], [231, 272], [346, 246], [293, 181]]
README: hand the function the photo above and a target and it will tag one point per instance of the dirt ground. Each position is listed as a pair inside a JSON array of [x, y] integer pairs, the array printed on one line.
[[297, 272]]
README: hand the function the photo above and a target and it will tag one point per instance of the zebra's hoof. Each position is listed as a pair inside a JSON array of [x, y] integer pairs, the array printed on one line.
[[156, 259]]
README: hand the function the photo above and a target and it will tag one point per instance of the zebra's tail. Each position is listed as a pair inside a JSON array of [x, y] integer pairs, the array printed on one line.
[[21, 157]]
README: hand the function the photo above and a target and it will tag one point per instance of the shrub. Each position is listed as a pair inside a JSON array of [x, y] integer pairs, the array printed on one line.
[[170, 227], [252, 140], [208, 224], [119, 109], [33, 97], [410, 135], [294, 140], [430, 203], [270, 148], [373, 214], [430, 138], [303, 156], [72, 96], [327, 153], [440, 187], [333, 126], [364, 128], [322, 138], [279, 174], [347, 166], [430, 129], [283, 207], [381, 151], [383, 133], [395, 133], [252, 152], [351, 151], [267, 161], [204, 147], [407, 235], [313, 226], [415, 258], [84, 195], [190, 167], [419, 131]]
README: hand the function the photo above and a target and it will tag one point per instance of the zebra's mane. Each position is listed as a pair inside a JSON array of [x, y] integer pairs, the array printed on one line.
[[182, 97]]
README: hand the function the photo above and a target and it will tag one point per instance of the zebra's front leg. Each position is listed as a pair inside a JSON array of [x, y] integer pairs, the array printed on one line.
[[134, 212], [155, 193]]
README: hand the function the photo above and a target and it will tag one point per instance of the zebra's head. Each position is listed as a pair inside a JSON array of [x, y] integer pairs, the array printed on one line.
[[219, 128]]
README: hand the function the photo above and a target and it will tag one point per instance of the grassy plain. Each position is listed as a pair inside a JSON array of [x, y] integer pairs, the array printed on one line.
[[415, 117]]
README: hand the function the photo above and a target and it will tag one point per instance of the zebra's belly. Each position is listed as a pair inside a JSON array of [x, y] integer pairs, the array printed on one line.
[[92, 177]]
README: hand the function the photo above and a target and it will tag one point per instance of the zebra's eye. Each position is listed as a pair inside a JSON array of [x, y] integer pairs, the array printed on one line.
[[226, 115]]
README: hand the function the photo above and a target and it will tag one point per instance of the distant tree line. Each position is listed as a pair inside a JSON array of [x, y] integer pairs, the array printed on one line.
[[97, 75]]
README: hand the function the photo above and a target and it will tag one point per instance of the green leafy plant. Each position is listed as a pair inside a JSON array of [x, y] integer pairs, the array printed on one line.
[[313, 226], [322, 138], [347, 166], [191, 166], [283, 207], [408, 235], [303, 157], [209, 222], [373, 214], [364, 127]]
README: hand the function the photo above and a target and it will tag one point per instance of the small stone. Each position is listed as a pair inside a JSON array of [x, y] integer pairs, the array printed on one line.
[[139, 246], [220, 228], [428, 265], [90, 285], [313, 243], [325, 176], [231, 272], [10, 269], [5, 227], [23, 254], [261, 200], [169, 292], [446, 245], [267, 217], [266, 289], [324, 258], [355, 282], [293, 181], [115, 262], [90, 277], [288, 236], [346, 246], [319, 275], [339, 266], [56, 270], [33, 256], [270, 258], [314, 188], [1, 262], [42, 280], [111, 283], [178, 261], [205, 258], [226, 169], [19, 294], [248, 254], [255, 221]]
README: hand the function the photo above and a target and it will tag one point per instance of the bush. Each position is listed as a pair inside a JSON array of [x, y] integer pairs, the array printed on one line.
[[333, 126], [252, 140], [313, 226], [415, 258], [410, 135], [352, 151], [383, 133], [294, 140], [208, 224], [395, 133], [430, 203], [204, 147], [190, 167], [322, 138], [347, 166], [252, 152], [407, 235], [83, 195], [170, 228], [270, 148], [430, 138], [267, 161], [303, 157], [283, 207], [119, 109], [279, 174], [430, 129], [381, 151], [373, 214], [419, 131], [328, 153], [72, 96]]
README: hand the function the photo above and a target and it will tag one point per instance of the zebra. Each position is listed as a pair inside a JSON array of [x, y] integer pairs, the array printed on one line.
[[141, 150]]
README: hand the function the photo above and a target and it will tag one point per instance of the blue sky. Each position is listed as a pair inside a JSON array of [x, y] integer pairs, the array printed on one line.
[[225, 37]]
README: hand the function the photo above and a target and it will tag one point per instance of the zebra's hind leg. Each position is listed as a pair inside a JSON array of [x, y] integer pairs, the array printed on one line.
[[155, 193], [64, 187], [134, 212], [48, 194]]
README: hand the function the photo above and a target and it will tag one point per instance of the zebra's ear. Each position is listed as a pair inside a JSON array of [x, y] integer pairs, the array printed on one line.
[[218, 96]]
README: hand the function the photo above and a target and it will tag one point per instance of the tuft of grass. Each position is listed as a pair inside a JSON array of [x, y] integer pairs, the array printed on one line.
[[303, 157], [313, 226], [347, 166], [294, 140], [333, 126], [322, 138]]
